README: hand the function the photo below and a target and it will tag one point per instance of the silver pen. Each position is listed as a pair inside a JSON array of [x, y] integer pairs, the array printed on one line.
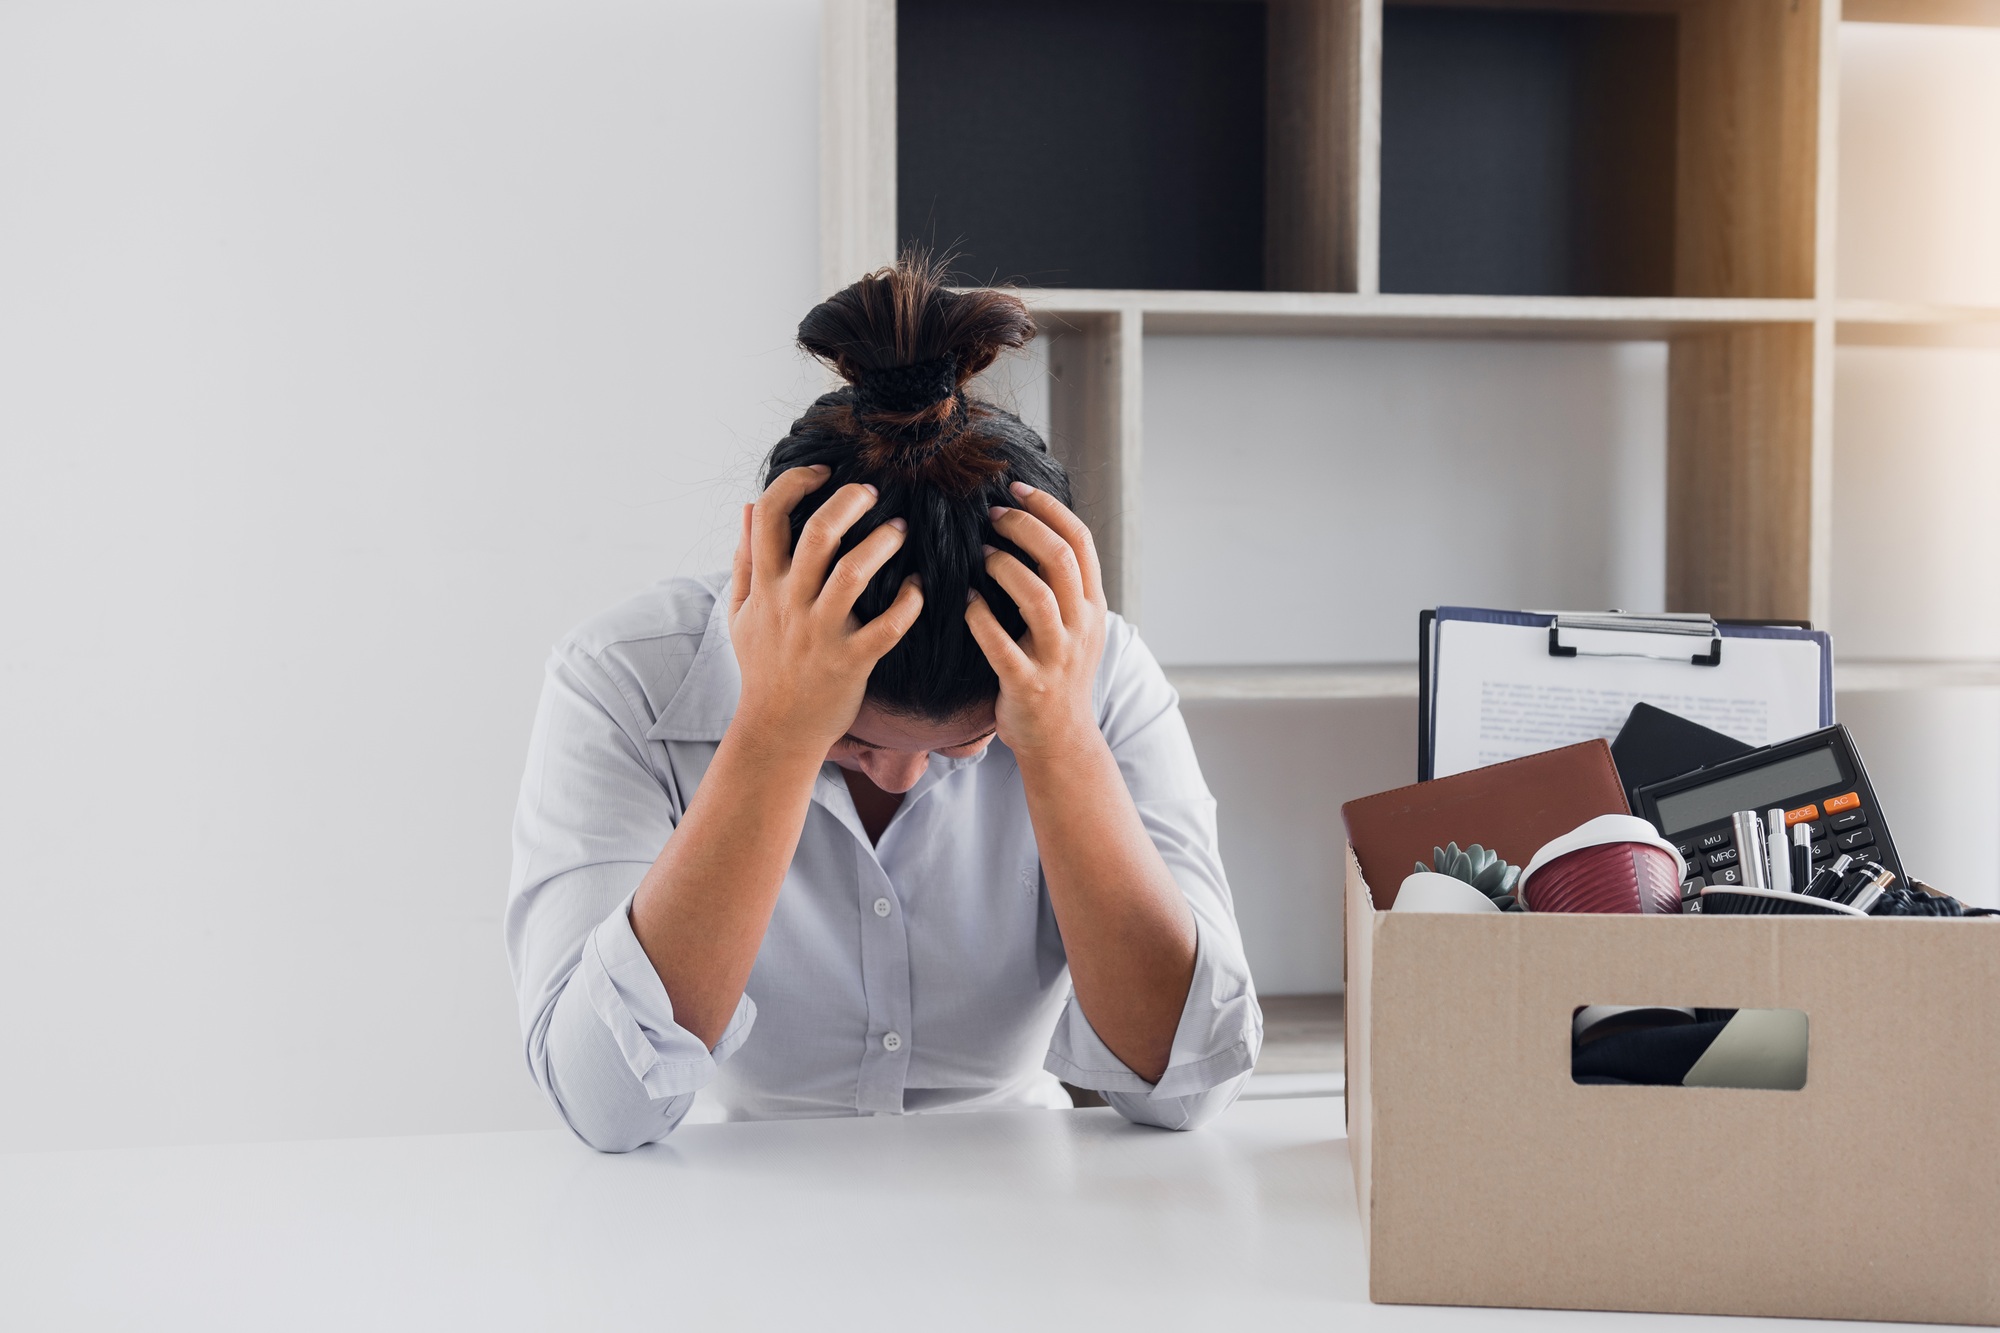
[[1749, 833]]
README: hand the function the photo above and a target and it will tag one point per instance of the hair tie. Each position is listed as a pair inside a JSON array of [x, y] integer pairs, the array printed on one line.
[[902, 390]]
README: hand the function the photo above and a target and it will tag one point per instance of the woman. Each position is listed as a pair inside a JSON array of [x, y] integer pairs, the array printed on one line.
[[856, 829]]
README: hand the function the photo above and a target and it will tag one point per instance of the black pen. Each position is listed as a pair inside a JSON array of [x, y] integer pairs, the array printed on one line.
[[1827, 880], [1801, 857], [1871, 892]]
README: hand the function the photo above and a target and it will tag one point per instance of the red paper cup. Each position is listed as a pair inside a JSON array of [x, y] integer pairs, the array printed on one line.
[[1614, 863], [1615, 877]]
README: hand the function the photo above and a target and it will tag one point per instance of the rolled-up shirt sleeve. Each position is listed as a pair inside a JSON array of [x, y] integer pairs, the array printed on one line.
[[593, 814], [1221, 1029]]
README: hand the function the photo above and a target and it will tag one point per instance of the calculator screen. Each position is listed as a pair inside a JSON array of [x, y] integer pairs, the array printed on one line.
[[1777, 784]]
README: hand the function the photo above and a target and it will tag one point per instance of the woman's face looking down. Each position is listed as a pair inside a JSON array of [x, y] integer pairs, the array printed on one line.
[[892, 750]]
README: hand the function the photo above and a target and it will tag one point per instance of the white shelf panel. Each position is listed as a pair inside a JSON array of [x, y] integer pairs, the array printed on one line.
[[1343, 313], [1391, 680], [1864, 674], [1915, 324], [1959, 13], [1373, 680]]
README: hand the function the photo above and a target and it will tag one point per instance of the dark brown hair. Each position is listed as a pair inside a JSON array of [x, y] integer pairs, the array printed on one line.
[[907, 345]]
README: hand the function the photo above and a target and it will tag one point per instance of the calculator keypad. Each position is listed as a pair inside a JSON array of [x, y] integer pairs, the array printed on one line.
[[1837, 824]]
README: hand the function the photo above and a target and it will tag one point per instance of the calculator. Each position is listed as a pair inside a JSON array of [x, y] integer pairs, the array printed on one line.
[[1816, 778]]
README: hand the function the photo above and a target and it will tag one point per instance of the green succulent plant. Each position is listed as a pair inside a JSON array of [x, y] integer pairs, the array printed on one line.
[[1482, 869]]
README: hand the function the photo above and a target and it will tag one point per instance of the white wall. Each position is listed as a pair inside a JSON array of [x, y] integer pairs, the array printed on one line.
[[350, 351]]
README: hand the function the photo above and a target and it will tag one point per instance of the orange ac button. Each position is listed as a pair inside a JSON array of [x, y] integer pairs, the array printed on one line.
[[1835, 804], [1805, 814]]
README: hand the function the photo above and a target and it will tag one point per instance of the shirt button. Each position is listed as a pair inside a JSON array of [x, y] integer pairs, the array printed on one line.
[[892, 1041], [881, 907]]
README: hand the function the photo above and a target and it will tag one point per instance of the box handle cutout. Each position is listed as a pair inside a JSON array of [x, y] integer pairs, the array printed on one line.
[[1665, 1045]]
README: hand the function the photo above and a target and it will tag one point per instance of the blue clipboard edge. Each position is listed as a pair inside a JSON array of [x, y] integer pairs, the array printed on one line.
[[1429, 620]]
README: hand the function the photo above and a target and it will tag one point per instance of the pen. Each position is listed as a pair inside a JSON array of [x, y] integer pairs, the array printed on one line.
[[1801, 857], [1871, 892], [1777, 855], [1749, 831], [1857, 882], [1828, 879]]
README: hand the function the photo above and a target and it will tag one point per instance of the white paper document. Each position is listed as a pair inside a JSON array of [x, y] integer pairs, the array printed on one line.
[[1498, 694]]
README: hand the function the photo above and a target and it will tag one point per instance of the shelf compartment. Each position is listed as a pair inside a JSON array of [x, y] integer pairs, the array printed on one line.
[[1205, 144], [1528, 151], [1740, 412], [1084, 142], [1634, 147]]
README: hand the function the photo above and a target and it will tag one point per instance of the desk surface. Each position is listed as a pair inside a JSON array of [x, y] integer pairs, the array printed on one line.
[[1018, 1220]]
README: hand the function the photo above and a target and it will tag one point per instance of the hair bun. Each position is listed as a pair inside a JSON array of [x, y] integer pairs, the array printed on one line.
[[908, 344]]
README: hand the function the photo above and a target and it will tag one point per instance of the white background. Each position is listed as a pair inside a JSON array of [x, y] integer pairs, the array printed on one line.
[[350, 351]]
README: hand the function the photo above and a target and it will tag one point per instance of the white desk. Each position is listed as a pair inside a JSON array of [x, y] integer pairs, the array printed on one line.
[[1016, 1220]]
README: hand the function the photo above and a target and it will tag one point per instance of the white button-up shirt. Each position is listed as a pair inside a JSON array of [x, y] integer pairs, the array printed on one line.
[[921, 973]]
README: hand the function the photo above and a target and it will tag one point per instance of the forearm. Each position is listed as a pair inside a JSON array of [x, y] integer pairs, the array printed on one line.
[[703, 907], [1125, 925]]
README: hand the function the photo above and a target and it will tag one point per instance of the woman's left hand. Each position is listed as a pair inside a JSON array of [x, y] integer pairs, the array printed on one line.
[[1047, 679]]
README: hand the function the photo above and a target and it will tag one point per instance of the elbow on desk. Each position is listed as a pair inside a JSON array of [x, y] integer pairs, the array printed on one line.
[[617, 1123], [586, 1077]]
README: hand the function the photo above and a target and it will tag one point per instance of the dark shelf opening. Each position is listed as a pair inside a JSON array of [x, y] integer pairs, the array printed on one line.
[[1528, 152], [1084, 143]]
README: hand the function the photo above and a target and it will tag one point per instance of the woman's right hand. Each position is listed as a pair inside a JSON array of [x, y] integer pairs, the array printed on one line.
[[805, 658]]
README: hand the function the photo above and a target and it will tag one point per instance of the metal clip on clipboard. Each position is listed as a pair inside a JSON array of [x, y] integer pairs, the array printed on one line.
[[1668, 637]]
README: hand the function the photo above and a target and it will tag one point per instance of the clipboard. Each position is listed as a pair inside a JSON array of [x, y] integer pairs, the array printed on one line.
[[1493, 685]]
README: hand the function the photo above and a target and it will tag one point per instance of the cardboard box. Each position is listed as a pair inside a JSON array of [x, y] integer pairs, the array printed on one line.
[[1487, 1177]]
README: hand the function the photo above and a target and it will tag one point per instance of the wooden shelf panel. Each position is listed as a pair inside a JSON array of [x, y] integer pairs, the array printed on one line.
[[1914, 324], [1373, 680], [1391, 315]]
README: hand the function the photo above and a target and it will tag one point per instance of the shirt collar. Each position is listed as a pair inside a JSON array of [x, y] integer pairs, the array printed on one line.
[[701, 708]]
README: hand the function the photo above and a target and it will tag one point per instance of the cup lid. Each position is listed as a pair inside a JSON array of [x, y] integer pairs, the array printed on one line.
[[1596, 833]]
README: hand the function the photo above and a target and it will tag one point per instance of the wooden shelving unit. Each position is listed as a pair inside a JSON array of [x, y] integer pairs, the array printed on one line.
[[1721, 245]]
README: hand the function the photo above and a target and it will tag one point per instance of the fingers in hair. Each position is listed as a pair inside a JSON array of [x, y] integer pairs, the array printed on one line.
[[770, 523], [1005, 656], [1060, 519], [885, 631], [1055, 559], [1037, 600], [819, 540], [850, 577]]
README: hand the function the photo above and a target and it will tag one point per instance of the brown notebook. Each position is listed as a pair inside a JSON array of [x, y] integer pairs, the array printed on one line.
[[1512, 808]]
